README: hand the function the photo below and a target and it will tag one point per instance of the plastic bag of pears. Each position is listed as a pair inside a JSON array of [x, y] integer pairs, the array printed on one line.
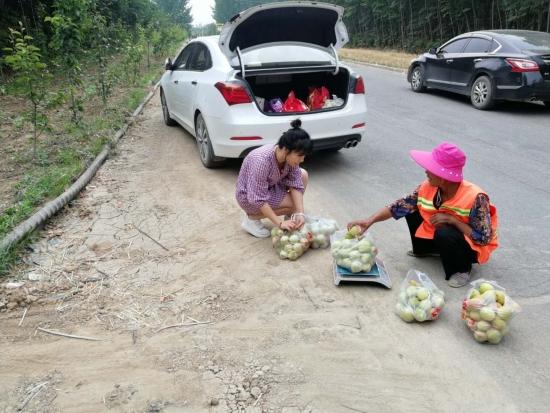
[[291, 245], [419, 298], [353, 251], [321, 229], [487, 311]]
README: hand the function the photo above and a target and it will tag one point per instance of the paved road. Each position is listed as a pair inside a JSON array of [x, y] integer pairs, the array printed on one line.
[[508, 156]]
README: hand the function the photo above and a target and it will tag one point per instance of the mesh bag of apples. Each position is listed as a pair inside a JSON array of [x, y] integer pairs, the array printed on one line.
[[419, 298], [487, 311]]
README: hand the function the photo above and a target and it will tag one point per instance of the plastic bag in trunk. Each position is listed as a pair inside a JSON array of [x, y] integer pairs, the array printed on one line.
[[487, 311], [293, 104], [419, 298], [317, 97]]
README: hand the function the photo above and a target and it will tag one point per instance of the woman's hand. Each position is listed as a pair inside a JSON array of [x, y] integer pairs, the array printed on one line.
[[288, 225], [440, 219], [363, 224], [299, 220]]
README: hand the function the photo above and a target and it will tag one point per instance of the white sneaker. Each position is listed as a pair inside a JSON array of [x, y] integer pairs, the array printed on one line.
[[255, 227], [459, 279]]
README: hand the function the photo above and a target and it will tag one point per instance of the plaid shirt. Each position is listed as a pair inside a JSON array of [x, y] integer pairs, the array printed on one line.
[[261, 181]]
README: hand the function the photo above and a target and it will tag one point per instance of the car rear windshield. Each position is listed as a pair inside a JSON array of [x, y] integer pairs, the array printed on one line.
[[533, 42]]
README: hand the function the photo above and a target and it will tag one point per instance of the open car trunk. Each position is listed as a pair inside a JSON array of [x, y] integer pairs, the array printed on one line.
[[267, 87]]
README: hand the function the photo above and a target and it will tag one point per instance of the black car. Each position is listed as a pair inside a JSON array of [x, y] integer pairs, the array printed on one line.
[[488, 66]]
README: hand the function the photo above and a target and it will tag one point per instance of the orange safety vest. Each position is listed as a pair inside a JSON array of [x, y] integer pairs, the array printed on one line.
[[459, 206]]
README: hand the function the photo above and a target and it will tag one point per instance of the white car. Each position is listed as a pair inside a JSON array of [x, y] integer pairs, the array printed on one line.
[[217, 86]]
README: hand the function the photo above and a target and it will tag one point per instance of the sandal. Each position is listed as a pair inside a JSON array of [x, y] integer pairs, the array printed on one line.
[[411, 253], [459, 279]]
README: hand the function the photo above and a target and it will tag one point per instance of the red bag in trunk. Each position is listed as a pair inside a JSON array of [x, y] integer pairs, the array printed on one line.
[[317, 97], [292, 104]]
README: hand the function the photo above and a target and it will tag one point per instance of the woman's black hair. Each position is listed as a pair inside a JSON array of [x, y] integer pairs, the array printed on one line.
[[296, 139]]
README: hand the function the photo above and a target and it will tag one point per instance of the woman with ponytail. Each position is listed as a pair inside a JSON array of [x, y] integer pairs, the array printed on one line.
[[271, 183]]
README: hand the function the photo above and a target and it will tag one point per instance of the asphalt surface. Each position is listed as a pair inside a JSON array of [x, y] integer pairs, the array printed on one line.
[[508, 156]]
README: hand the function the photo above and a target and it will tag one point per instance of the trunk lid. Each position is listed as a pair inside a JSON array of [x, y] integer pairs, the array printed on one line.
[[318, 25]]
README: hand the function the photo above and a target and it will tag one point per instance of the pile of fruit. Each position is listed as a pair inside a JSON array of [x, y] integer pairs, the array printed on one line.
[[353, 251], [487, 311], [321, 230], [419, 298], [291, 244]]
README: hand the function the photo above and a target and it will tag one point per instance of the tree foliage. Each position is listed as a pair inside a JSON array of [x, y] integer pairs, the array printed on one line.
[[417, 24]]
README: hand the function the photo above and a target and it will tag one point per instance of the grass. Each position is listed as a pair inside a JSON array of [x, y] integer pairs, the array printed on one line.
[[64, 155], [391, 58]]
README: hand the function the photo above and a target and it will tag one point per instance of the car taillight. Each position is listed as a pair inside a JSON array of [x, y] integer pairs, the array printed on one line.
[[359, 86], [234, 93], [522, 65]]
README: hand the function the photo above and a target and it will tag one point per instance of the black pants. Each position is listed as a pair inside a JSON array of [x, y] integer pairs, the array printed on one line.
[[456, 254]]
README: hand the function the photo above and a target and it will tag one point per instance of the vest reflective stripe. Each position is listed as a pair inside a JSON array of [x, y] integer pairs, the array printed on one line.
[[460, 207]]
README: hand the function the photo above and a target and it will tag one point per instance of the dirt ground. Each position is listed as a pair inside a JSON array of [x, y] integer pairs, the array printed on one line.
[[184, 312]]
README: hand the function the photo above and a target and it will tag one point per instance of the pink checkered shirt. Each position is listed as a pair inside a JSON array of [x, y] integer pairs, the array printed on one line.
[[260, 180]]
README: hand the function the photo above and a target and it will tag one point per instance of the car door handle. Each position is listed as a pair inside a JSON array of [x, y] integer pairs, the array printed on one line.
[[449, 61], [194, 82], [176, 81], [477, 60]]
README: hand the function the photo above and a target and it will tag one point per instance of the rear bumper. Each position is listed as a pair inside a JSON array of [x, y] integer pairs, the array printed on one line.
[[331, 129], [531, 87]]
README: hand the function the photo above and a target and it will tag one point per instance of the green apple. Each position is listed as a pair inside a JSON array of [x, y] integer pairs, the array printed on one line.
[[422, 293], [499, 323], [505, 313], [474, 315], [483, 325], [420, 315], [489, 296], [480, 336], [487, 314], [426, 305], [501, 297], [438, 301], [494, 336], [475, 293], [485, 287], [403, 298], [406, 314], [413, 301]]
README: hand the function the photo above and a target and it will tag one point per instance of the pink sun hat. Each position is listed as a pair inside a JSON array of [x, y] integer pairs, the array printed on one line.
[[446, 161]]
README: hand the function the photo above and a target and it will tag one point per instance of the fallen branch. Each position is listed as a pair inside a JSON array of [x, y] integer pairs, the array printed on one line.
[[183, 325], [34, 391], [150, 237], [22, 318], [257, 400], [354, 409], [57, 333]]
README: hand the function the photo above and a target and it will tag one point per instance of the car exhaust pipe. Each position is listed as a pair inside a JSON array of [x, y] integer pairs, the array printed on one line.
[[347, 144], [354, 143]]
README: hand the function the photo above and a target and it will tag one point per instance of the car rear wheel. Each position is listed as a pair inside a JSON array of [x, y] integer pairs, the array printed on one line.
[[165, 112], [547, 104], [481, 93], [208, 158], [417, 80]]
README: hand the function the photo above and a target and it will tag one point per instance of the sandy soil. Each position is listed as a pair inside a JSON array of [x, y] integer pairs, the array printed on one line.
[[206, 318]]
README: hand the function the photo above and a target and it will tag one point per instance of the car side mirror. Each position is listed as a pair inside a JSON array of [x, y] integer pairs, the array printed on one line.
[[168, 64], [432, 50]]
